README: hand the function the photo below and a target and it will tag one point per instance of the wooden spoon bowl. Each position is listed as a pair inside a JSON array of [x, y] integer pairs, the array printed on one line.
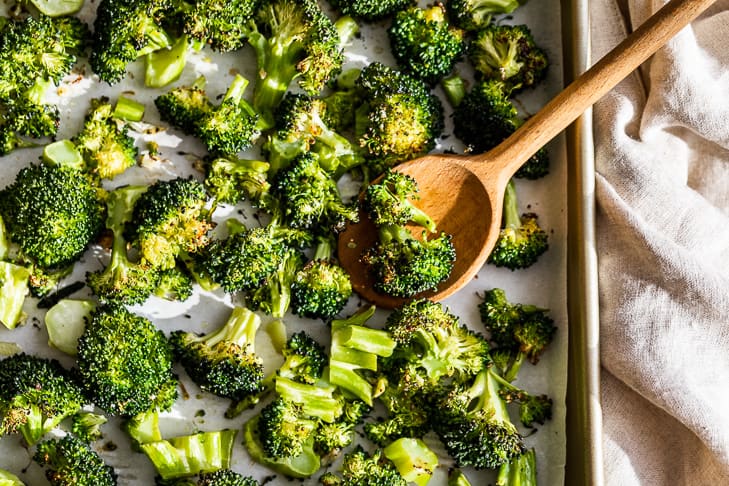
[[464, 194]]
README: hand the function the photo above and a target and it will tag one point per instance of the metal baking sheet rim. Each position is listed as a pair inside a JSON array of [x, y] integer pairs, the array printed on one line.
[[584, 460]]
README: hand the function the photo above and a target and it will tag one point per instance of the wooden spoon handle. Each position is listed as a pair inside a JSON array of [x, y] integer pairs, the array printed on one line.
[[555, 116]]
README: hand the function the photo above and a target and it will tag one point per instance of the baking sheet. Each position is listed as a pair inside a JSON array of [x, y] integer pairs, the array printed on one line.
[[543, 284]]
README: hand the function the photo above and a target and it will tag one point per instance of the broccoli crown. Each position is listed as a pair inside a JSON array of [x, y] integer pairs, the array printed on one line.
[[521, 241], [184, 106], [486, 117], [87, 425], [320, 290], [293, 39], [388, 202], [124, 361], [284, 428], [71, 462], [509, 54], [474, 15], [300, 128], [432, 346], [225, 477], [370, 10], [274, 296], [404, 266], [52, 213], [407, 414], [35, 395], [224, 361], [361, 469], [309, 197], [106, 147], [399, 119], [474, 425], [231, 126], [520, 471], [123, 31], [304, 359], [231, 180], [424, 44], [27, 115], [174, 284], [169, 218], [121, 280], [221, 25]]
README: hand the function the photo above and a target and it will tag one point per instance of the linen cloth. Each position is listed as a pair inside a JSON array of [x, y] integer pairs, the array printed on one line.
[[662, 190]]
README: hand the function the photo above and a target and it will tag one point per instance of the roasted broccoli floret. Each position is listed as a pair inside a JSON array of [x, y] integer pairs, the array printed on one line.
[[407, 414], [223, 362], [424, 43], [520, 471], [36, 394], [359, 469], [87, 425], [300, 128], [399, 118], [404, 266], [126, 30], [221, 25], [121, 280], [508, 53], [292, 39], [474, 15], [52, 213], [309, 197], [183, 107], [486, 117], [274, 296], [284, 429], [370, 10], [169, 218], [124, 361], [322, 288], [331, 438], [72, 462], [231, 126], [304, 359], [521, 241], [174, 284], [230, 179], [103, 142], [226, 477], [388, 202], [473, 423]]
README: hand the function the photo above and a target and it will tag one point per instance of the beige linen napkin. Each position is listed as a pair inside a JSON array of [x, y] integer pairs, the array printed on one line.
[[662, 156]]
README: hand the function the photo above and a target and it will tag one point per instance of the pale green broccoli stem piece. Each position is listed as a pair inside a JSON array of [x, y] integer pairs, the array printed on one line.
[[13, 290], [63, 153], [66, 321], [413, 460], [165, 65], [128, 109]]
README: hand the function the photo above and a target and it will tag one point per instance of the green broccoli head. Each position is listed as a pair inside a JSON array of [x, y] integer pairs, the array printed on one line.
[[230, 179], [169, 218], [223, 362], [424, 43], [87, 425], [225, 477], [508, 53], [407, 414], [321, 289], [174, 284], [474, 15], [304, 359], [370, 10], [388, 202], [521, 241], [71, 462], [52, 213], [221, 25], [285, 430], [124, 361], [404, 266], [184, 106], [360, 468], [36, 394]]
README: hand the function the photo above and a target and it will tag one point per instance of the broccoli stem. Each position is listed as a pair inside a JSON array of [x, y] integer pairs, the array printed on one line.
[[347, 28], [521, 471], [413, 460], [485, 392], [13, 290], [324, 249], [155, 36], [64, 154], [128, 109], [240, 328], [454, 88], [165, 65], [316, 401], [4, 244], [511, 217]]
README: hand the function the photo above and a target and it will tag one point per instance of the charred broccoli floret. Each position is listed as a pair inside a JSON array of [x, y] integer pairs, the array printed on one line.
[[424, 43], [223, 362], [230, 179], [474, 15], [226, 477], [359, 468], [304, 359], [36, 394], [71, 462], [486, 117], [184, 106], [52, 213], [388, 202], [521, 241], [103, 142], [124, 361], [221, 25], [274, 296], [174, 284], [169, 218], [508, 53]]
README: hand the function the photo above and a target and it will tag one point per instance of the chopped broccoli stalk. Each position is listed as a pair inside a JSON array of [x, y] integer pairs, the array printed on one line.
[[474, 15], [189, 455], [63, 153], [128, 109], [65, 322], [424, 43], [508, 53], [13, 290], [358, 467], [9, 479], [388, 202], [164, 66], [322, 288], [143, 428], [521, 241], [70, 461], [87, 425], [315, 400], [184, 106], [457, 478], [231, 180], [224, 361], [36, 394], [413, 459], [474, 425], [520, 471], [123, 281], [404, 266]]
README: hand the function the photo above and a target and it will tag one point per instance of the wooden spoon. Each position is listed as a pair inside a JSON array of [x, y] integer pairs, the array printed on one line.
[[464, 194]]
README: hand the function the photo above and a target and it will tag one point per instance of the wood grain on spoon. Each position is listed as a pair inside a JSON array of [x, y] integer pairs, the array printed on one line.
[[464, 194]]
